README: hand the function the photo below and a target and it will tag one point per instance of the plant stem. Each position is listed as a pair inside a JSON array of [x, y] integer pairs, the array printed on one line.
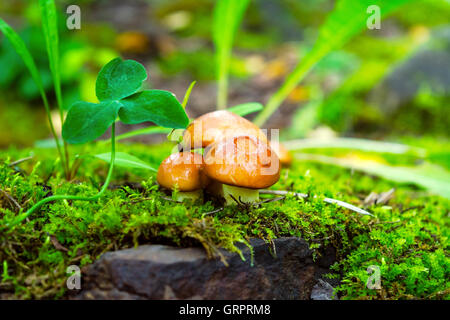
[[50, 30], [52, 129], [67, 161], [70, 197], [222, 92], [59, 101]]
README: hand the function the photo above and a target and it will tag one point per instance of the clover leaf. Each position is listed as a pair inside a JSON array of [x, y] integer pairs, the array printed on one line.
[[87, 121], [119, 79], [151, 105], [116, 88]]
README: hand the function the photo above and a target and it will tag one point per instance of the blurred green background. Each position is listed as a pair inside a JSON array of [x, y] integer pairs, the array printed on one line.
[[390, 84]]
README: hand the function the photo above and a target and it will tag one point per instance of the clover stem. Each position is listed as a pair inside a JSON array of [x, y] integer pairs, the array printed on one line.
[[55, 136], [66, 155], [70, 197]]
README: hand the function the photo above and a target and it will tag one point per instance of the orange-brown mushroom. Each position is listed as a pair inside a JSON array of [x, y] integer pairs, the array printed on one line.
[[214, 126], [243, 165], [183, 171]]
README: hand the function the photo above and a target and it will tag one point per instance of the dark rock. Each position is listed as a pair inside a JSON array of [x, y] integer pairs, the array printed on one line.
[[324, 263], [322, 291], [328, 257], [282, 270]]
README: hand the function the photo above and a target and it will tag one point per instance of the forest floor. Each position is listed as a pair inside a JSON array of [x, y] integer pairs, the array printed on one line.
[[407, 237]]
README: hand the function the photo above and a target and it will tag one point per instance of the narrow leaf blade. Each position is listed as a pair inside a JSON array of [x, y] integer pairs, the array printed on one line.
[[144, 131], [188, 94], [126, 160], [23, 52], [246, 108], [431, 177], [355, 144], [50, 28], [227, 17]]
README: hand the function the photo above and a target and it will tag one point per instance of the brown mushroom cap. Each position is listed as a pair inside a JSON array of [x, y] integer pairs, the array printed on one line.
[[184, 170], [283, 154], [243, 161], [217, 125]]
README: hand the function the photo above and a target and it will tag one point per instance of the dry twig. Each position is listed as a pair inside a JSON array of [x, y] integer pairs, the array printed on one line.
[[11, 199], [327, 200], [12, 164]]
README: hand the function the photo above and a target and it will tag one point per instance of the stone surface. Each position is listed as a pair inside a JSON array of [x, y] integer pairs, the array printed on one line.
[[322, 291], [283, 270]]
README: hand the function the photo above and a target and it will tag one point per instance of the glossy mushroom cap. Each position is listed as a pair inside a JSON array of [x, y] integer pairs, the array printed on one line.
[[184, 170], [283, 154], [243, 161], [214, 126]]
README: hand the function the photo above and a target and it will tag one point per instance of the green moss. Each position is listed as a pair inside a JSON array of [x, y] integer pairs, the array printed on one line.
[[408, 239]]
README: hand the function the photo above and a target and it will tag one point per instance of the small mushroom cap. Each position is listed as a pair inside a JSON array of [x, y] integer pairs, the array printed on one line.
[[283, 153], [214, 126], [243, 161], [184, 170]]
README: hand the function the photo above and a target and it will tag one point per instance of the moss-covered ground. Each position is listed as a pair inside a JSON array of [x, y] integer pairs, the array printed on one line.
[[408, 239]]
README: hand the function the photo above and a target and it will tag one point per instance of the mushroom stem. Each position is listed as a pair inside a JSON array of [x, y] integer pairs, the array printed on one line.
[[188, 195], [243, 195]]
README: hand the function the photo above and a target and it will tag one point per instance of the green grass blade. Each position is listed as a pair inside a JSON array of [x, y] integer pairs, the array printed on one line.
[[429, 176], [144, 131], [347, 20], [46, 143], [126, 160], [354, 144], [188, 94], [50, 29], [246, 108], [227, 17], [24, 53]]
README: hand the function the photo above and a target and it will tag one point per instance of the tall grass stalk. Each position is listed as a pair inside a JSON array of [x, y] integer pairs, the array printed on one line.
[[228, 15], [21, 49], [50, 29]]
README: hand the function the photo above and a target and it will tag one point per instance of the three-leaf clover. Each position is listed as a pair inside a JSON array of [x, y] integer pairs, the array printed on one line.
[[117, 89]]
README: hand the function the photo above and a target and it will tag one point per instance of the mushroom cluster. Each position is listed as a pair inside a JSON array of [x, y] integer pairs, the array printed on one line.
[[240, 166], [237, 161], [183, 171]]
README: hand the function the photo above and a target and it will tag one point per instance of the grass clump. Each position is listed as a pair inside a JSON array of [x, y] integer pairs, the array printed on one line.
[[408, 239]]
